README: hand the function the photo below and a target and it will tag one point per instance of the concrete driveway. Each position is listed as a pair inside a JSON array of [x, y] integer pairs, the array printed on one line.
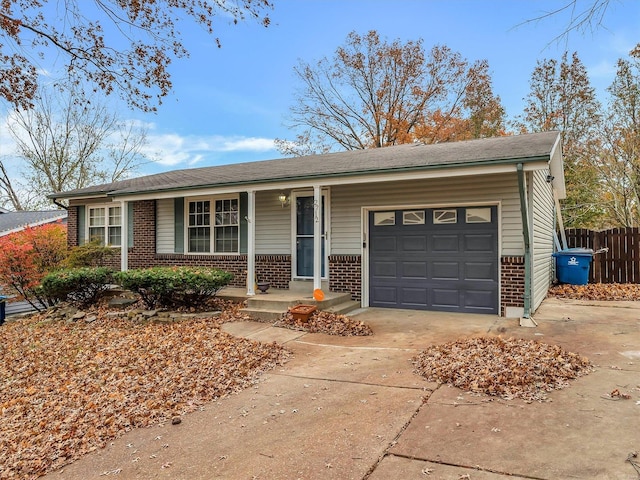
[[350, 408]]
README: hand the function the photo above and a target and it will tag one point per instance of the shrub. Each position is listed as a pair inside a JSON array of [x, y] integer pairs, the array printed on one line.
[[91, 254], [27, 256], [82, 286], [173, 286]]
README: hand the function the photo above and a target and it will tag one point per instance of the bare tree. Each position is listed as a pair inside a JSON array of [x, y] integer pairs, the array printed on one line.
[[125, 46], [68, 142], [374, 93], [562, 98], [620, 156], [582, 17]]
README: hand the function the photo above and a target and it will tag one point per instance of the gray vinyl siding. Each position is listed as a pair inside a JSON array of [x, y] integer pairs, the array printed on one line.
[[165, 226], [273, 224], [543, 222], [273, 227], [347, 201]]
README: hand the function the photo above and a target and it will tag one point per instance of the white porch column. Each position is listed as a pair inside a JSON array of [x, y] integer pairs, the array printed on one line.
[[317, 237], [124, 237], [251, 242]]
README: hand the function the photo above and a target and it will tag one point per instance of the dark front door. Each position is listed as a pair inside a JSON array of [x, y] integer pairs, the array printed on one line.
[[443, 259]]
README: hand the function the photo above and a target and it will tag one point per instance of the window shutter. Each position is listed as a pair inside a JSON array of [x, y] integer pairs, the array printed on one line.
[[82, 219], [244, 199], [178, 211]]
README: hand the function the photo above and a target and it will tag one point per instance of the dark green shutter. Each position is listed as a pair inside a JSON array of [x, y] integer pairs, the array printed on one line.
[[178, 211], [81, 224], [244, 210], [130, 225]]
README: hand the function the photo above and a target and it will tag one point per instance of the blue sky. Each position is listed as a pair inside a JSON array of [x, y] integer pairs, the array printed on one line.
[[230, 103]]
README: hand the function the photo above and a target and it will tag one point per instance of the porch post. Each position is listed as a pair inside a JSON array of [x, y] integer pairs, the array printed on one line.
[[124, 236], [317, 237], [251, 242]]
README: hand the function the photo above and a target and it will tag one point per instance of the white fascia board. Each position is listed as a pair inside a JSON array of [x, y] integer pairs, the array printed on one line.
[[342, 180]]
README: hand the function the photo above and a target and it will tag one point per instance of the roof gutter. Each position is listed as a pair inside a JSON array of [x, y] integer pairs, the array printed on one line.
[[526, 320]]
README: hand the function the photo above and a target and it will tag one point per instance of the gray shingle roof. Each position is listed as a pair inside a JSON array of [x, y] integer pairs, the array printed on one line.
[[518, 148], [14, 221]]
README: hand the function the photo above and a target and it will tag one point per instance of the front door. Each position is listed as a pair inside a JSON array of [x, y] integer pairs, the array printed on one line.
[[305, 215]]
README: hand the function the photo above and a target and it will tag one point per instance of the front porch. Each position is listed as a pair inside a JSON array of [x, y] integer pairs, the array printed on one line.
[[271, 305]]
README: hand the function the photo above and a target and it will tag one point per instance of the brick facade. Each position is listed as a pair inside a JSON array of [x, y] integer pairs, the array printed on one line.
[[345, 275], [72, 226], [275, 269], [512, 282]]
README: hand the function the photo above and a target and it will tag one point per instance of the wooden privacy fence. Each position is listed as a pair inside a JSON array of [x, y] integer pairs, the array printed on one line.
[[621, 264]]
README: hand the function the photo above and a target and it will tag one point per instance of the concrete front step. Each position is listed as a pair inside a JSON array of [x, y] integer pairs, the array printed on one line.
[[272, 308], [344, 308], [278, 302], [263, 314]]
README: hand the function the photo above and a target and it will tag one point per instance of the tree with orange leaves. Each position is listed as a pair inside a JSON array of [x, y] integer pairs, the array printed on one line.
[[375, 93], [27, 256], [114, 45]]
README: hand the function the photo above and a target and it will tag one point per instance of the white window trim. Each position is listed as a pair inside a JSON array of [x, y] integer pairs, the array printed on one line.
[[106, 225], [212, 213]]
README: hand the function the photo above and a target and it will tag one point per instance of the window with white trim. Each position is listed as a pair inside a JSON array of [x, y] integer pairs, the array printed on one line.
[[219, 236], [105, 225]]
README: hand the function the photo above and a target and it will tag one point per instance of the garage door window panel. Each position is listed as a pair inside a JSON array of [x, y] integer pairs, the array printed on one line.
[[478, 215]]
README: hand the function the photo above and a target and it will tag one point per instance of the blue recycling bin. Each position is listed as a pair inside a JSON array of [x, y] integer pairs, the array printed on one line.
[[2, 308], [572, 265]]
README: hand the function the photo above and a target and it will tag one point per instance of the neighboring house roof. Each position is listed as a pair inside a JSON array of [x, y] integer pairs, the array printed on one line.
[[15, 221], [409, 157]]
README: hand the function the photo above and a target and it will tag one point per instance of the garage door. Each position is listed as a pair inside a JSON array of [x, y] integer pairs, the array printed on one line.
[[443, 259]]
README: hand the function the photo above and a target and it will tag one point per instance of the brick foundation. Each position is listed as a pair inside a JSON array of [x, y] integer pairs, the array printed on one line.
[[345, 275], [275, 269], [512, 282]]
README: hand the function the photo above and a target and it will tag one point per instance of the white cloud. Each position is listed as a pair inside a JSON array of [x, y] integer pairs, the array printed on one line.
[[165, 149], [605, 69], [172, 149]]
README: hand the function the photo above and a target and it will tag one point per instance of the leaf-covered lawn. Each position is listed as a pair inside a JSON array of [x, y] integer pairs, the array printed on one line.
[[68, 388], [597, 291]]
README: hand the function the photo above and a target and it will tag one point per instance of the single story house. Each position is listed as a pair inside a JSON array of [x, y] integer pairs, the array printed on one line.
[[11, 222], [457, 227]]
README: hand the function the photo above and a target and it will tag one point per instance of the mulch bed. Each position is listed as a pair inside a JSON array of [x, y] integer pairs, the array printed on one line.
[[511, 368]]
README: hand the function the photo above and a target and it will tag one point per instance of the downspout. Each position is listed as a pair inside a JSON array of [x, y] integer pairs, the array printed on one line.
[[61, 205], [527, 245]]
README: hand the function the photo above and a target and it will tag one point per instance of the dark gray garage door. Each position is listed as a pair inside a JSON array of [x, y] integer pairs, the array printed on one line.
[[443, 259]]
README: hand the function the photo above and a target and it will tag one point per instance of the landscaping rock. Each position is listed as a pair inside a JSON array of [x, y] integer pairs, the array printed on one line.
[[90, 319], [78, 315], [121, 302]]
